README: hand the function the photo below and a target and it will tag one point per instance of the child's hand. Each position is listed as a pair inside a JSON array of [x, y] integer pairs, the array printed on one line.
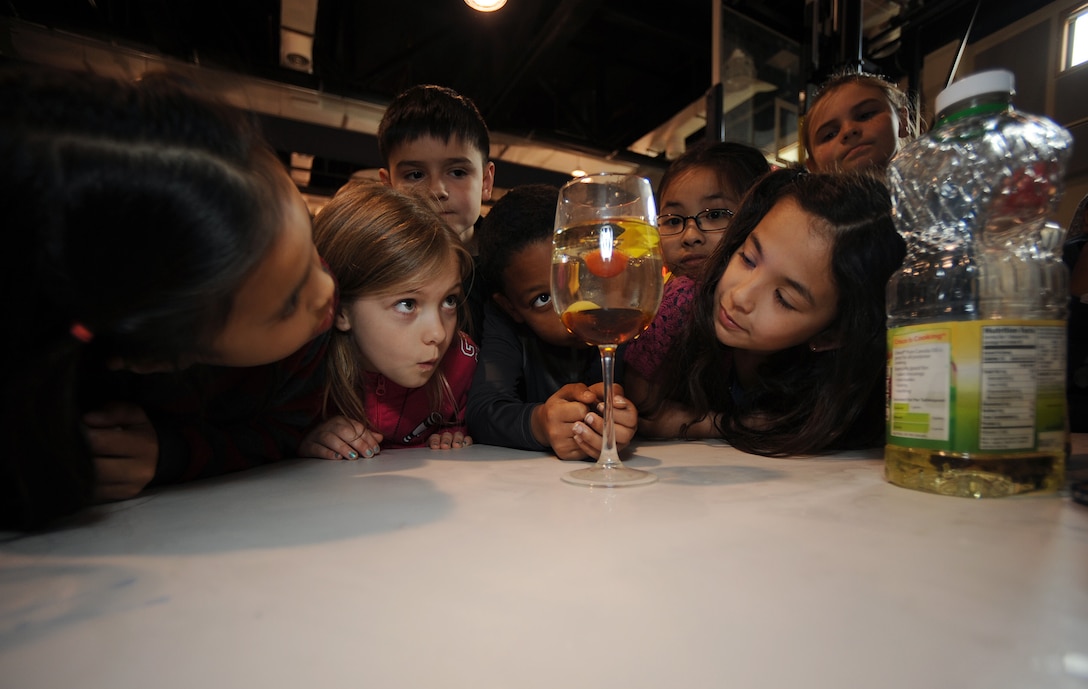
[[447, 440], [125, 447], [341, 438], [555, 419], [589, 434]]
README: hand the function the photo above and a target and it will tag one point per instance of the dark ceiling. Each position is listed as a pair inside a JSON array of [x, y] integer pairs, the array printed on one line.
[[587, 74]]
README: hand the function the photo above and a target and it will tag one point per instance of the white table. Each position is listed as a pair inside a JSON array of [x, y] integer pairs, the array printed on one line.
[[480, 568]]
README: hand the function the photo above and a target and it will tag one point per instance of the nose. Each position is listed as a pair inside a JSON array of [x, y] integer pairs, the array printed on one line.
[[692, 235], [434, 329], [438, 188], [850, 130], [743, 296]]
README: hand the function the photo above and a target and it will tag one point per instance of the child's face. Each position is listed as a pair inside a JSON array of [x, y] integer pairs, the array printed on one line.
[[693, 191], [285, 302], [853, 128], [776, 291], [527, 297], [453, 173], [404, 334]]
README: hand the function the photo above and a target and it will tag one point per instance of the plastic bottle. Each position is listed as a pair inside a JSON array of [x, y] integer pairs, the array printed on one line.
[[976, 315]]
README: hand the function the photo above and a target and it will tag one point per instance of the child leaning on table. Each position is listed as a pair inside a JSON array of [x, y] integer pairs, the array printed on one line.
[[398, 365], [783, 349], [537, 386], [165, 300]]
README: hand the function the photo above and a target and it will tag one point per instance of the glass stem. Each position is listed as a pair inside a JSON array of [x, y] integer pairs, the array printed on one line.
[[610, 458]]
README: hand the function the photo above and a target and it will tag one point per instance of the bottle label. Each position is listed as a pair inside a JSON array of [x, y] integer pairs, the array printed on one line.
[[988, 386]]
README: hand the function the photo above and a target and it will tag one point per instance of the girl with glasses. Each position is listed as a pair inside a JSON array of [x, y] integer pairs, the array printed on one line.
[[697, 198]]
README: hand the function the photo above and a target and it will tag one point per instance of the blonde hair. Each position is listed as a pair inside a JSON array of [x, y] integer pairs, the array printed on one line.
[[376, 240], [895, 96]]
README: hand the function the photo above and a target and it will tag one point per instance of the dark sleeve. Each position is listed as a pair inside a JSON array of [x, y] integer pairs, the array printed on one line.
[[218, 420], [497, 413]]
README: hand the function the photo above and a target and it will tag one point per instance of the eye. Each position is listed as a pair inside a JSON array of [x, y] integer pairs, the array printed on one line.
[[782, 301], [290, 307], [745, 259], [718, 214], [828, 135], [413, 176], [459, 173], [669, 222], [405, 306], [541, 301], [451, 301], [867, 115]]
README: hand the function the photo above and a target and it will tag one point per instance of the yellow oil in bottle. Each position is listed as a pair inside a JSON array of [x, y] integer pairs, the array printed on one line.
[[975, 475]]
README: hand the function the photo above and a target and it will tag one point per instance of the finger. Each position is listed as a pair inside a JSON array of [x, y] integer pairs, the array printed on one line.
[[116, 414], [106, 442], [121, 442], [587, 438], [318, 450], [121, 478]]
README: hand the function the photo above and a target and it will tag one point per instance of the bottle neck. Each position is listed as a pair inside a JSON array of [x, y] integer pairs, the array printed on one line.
[[979, 105]]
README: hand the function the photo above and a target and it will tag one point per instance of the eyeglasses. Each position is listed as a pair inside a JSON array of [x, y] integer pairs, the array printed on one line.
[[710, 220]]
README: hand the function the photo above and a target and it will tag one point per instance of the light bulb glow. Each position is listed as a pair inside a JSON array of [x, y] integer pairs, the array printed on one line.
[[485, 5]]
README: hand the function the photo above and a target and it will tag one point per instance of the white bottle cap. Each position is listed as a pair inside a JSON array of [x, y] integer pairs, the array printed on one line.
[[994, 81]]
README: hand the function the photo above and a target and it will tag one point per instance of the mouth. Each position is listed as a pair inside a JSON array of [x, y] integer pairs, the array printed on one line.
[[428, 365], [727, 321], [858, 151]]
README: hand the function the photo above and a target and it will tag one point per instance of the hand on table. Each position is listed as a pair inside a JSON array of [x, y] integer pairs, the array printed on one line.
[[447, 440], [568, 421], [589, 434], [341, 438], [125, 448]]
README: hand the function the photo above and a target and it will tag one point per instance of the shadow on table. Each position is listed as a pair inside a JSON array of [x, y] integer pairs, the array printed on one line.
[[715, 475], [283, 505]]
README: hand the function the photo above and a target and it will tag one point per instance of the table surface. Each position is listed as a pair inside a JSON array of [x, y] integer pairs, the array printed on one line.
[[480, 568]]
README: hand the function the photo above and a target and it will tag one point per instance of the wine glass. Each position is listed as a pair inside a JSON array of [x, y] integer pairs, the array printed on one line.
[[606, 286]]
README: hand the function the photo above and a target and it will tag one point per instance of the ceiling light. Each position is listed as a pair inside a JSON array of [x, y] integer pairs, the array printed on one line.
[[485, 5]]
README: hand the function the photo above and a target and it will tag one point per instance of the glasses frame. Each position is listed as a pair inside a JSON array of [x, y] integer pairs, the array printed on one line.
[[698, 218]]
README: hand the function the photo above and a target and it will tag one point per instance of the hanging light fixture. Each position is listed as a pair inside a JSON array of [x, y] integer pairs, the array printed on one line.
[[485, 5]]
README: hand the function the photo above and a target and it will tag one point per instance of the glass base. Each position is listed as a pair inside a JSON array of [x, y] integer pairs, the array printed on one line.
[[609, 477]]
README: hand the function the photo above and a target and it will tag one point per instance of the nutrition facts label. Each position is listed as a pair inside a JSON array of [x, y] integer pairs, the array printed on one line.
[[977, 386], [920, 390], [1007, 407]]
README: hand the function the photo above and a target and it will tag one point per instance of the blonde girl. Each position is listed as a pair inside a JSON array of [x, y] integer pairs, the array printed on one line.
[[399, 367], [857, 121]]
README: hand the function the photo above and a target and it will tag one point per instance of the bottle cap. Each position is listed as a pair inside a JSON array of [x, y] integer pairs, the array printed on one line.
[[993, 81]]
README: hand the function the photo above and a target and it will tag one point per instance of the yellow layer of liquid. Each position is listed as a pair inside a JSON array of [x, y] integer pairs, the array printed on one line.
[[974, 476]]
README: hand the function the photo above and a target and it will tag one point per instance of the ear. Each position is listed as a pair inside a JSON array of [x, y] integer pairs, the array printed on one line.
[[489, 181], [384, 176], [507, 306], [342, 323], [824, 342]]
